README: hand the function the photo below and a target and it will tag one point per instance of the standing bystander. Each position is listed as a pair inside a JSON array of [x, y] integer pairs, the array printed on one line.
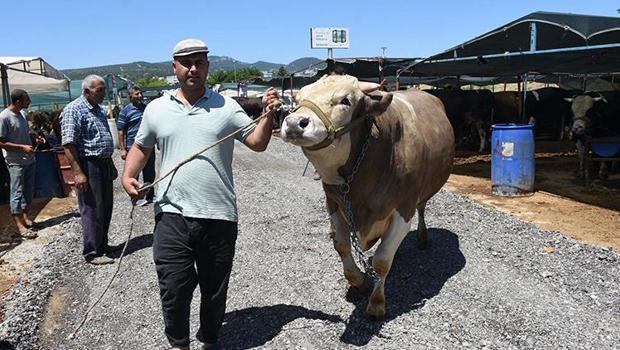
[[88, 147], [19, 156], [128, 124]]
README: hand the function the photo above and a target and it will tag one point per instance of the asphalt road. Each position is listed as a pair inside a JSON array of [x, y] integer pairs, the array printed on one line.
[[488, 280]]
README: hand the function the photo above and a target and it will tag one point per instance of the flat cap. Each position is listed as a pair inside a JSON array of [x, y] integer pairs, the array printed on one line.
[[189, 46]]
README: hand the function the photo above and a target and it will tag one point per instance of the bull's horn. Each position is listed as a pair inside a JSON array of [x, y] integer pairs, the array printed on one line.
[[368, 87]]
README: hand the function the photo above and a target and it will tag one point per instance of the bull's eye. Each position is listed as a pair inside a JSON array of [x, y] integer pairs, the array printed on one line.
[[345, 101]]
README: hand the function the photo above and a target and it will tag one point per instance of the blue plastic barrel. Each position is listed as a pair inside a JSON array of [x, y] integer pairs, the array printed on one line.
[[46, 180], [512, 159]]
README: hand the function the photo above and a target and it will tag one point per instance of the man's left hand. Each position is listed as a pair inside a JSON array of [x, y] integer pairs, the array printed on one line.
[[271, 100]]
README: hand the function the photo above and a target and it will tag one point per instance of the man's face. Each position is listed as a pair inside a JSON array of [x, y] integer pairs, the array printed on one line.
[[25, 102], [96, 93], [135, 96], [191, 70]]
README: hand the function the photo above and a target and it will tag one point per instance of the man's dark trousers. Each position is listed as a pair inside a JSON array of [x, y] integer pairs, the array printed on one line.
[[96, 204], [188, 252]]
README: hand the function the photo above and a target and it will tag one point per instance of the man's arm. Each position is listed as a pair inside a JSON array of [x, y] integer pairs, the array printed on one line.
[[80, 179], [121, 143], [136, 159], [15, 146], [260, 137]]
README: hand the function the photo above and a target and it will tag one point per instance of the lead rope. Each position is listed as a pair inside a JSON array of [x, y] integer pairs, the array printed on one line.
[[148, 187], [345, 189], [120, 260]]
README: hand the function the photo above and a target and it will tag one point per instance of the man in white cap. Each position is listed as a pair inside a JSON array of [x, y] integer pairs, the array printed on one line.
[[196, 211]]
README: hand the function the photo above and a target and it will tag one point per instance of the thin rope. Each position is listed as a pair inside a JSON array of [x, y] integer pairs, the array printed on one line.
[[120, 260], [192, 157]]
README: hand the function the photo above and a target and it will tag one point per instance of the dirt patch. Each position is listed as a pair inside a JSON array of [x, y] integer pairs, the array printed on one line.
[[8, 277], [560, 203], [43, 211], [56, 304], [17, 255]]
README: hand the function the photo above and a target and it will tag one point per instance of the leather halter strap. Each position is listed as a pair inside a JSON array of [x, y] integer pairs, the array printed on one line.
[[332, 132]]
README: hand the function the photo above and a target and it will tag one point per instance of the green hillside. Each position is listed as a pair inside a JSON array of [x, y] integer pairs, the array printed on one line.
[[138, 70]]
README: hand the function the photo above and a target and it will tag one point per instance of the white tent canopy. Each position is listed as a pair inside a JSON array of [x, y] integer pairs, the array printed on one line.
[[32, 74]]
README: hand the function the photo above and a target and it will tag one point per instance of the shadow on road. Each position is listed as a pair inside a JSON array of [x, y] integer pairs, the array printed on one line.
[[135, 244], [416, 276], [5, 345], [255, 326]]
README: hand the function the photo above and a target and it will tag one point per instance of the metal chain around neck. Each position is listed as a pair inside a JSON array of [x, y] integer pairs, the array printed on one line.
[[345, 189]]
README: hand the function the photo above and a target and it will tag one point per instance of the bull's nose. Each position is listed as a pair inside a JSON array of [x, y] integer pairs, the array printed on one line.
[[297, 123]]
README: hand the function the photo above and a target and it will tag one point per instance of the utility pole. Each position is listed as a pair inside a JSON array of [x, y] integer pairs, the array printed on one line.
[[381, 77]]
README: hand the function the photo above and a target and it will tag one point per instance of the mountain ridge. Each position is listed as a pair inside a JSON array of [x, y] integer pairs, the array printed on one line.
[[142, 69]]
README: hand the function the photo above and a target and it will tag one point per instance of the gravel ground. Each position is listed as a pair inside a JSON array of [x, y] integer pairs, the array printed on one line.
[[488, 281]]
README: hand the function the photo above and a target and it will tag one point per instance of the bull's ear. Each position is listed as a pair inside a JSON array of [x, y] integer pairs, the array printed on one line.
[[568, 99], [377, 102]]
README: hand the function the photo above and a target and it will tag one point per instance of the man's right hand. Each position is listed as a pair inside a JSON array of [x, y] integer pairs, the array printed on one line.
[[131, 186], [123, 154], [81, 181], [27, 149]]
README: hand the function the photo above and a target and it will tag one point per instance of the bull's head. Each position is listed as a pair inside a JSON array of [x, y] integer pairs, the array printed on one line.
[[580, 105], [327, 110]]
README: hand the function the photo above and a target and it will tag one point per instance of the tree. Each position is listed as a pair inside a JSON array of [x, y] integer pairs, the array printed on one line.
[[221, 76], [151, 82], [217, 77], [281, 72]]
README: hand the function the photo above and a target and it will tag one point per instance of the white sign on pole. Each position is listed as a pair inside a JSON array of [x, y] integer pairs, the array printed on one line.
[[329, 38]]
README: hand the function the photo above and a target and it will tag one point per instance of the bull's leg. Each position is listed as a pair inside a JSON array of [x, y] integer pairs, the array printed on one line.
[[581, 157], [603, 171], [422, 241], [483, 136], [342, 244], [382, 262]]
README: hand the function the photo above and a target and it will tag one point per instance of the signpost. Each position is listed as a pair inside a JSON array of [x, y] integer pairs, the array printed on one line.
[[329, 38]]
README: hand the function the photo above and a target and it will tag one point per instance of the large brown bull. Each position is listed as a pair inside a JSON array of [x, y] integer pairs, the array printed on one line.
[[382, 155]]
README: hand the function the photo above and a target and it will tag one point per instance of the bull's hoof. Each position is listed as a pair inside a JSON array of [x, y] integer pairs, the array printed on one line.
[[375, 312]]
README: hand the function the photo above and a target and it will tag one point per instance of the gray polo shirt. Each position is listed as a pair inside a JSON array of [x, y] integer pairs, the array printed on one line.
[[14, 129], [202, 188]]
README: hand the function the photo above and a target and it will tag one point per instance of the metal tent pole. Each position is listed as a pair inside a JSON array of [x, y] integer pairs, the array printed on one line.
[[5, 85], [523, 112]]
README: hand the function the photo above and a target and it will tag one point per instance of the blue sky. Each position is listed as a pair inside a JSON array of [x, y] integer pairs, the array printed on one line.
[[75, 34]]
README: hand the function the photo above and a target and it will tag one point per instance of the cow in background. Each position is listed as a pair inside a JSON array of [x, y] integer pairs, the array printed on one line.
[[253, 107], [545, 108], [507, 107], [595, 115], [469, 112]]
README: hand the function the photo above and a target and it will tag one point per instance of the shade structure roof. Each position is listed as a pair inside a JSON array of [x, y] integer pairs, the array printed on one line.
[[366, 67], [541, 42], [34, 75]]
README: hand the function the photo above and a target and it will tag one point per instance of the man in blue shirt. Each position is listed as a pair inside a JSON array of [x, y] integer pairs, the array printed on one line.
[[128, 124], [88, 147]]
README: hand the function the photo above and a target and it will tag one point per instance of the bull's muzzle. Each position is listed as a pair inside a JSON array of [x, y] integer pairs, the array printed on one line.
[[294, 125], [579, 128]]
